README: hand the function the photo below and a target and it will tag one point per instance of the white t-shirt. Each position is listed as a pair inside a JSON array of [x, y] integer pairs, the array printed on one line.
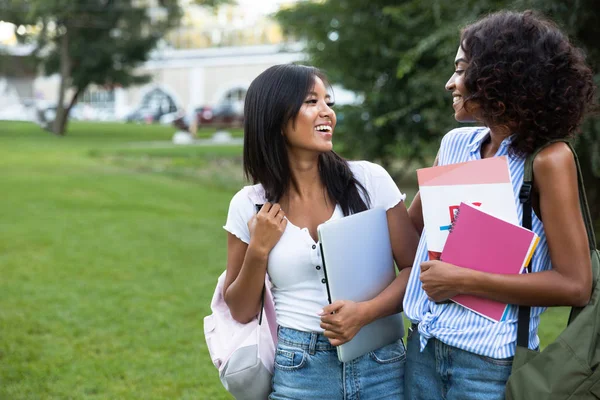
[[294, 264]]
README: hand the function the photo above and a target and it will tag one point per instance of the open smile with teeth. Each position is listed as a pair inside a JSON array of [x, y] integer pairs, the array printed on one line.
[[456, 99], [323, 128]]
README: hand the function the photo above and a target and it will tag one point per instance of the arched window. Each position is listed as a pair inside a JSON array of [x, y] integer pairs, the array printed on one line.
[[159, 100], [235, 95]]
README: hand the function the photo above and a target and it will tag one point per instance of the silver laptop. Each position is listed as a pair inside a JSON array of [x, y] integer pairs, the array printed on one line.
[[358, 264]]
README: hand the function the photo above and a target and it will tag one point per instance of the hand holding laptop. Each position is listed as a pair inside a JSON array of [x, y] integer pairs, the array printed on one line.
[[342, 320]]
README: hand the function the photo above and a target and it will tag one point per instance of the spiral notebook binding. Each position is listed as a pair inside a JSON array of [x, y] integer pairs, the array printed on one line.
[[454, 221]]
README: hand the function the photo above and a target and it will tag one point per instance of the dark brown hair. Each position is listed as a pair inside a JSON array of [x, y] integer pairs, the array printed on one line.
[[524, 73], [273, 99]]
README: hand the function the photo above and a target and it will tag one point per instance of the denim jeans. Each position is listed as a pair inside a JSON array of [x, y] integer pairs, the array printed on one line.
[[443, 372], [307, 367]]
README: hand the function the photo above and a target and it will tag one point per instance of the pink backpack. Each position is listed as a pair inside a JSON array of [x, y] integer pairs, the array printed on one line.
[[243, 353]]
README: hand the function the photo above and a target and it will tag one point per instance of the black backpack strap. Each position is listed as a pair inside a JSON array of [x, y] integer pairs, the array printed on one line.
[[262, 305], [526, 198], [262, 297]]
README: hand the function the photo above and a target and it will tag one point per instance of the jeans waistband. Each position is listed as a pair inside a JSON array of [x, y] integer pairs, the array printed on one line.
[[309, 341]]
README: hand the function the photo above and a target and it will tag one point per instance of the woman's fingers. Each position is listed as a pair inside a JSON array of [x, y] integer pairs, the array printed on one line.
[[275, 208], [330, 328], [331, 335], [276, 213], [265, 208], [273, 215]]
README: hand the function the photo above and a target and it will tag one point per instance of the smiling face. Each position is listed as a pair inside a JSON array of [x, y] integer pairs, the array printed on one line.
[[456, 85], [312, 128]]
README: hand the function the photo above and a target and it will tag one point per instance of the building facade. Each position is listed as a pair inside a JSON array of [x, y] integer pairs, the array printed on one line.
[[211, 58], [186, 78]]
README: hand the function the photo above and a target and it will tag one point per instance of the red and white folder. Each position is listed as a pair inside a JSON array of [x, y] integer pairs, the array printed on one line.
[[483, 183]]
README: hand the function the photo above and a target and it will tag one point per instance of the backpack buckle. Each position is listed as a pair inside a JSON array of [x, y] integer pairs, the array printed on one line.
[[525, 193]]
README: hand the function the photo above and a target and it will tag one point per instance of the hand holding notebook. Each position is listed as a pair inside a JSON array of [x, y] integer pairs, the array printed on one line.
[[482, 242]]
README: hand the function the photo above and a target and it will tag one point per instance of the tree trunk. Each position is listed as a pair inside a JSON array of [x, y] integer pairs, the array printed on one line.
[[60, 120], [73, 101]]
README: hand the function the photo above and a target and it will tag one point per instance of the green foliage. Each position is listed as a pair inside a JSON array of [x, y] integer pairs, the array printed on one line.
[[214, 3], [17, 66], [107, 39], [106, 51], [581, 20], [91, 41], [398, 55]]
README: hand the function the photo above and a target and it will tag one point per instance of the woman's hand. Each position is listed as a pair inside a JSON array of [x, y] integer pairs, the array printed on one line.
[[441, 280], [266, 227], [342, 320]]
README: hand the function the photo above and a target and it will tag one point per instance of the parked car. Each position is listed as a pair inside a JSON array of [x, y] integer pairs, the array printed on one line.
[[154, 105], [223, 115], [147, 115], [204, 115]]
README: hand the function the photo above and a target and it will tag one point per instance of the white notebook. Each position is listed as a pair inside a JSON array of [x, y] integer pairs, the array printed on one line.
[[358, 265]]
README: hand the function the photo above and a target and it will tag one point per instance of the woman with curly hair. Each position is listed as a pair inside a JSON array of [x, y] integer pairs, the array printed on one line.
[[519, 76]]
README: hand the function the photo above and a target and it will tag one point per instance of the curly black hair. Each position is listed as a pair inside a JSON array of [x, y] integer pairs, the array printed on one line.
[[524, 73]]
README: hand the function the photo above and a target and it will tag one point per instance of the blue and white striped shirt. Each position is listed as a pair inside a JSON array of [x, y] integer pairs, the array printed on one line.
[[451, 323]]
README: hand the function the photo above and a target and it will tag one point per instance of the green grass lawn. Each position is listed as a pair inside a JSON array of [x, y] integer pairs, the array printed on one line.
[[109, 254], [106, 271]]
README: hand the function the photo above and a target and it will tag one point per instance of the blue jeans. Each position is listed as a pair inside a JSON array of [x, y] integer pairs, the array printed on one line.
[[443, 372], [307, 367]]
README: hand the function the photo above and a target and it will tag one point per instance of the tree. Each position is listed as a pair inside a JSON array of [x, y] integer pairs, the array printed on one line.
[[398, 55], [581, 20], [213, 3], [91, 41]]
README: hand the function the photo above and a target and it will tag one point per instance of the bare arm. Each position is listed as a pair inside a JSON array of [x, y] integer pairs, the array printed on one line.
[[246, 268], [570, 280], [247, 263], [415, 211], [404, 246]]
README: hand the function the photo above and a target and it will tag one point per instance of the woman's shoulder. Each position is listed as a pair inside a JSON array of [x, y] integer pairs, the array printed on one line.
[[248, 196], [378, 183], [555, 158], [462, 133], [460, 140]]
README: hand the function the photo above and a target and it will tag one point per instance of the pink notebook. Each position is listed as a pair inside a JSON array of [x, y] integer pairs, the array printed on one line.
[[485, 243]]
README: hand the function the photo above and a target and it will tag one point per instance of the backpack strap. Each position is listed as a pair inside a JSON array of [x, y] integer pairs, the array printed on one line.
[[262, 305], [525, 198], [257, 208]]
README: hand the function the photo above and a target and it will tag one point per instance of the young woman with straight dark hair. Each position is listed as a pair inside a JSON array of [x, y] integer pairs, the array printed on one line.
[[521, 77], [288, 130]]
